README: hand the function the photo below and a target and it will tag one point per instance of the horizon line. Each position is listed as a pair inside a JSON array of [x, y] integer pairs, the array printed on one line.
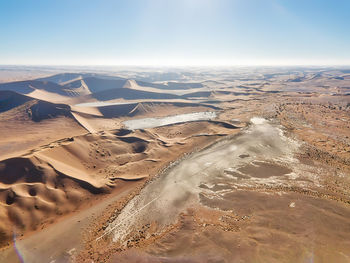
[[208, 65]]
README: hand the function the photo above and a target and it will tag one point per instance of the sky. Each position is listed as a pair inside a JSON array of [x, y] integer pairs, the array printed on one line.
[[175, 32]]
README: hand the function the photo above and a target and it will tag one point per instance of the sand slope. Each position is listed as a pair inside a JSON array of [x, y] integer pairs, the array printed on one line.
[[26, 87], [10, 100], [56, 178], [27, 123]]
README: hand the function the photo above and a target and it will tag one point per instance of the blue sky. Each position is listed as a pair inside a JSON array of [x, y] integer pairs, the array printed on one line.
[[174, 32]]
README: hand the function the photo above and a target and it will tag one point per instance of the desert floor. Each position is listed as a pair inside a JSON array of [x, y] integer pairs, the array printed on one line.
[[175, 165]]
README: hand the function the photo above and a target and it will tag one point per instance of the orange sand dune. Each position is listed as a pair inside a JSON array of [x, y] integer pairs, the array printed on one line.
[[27, 123], [56, 178]]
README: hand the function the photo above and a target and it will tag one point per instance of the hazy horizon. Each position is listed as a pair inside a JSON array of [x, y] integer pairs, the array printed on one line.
[[180, 66], [185, 65]]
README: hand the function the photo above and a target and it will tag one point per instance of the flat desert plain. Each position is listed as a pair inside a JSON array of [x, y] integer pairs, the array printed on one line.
[[245, 164]]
